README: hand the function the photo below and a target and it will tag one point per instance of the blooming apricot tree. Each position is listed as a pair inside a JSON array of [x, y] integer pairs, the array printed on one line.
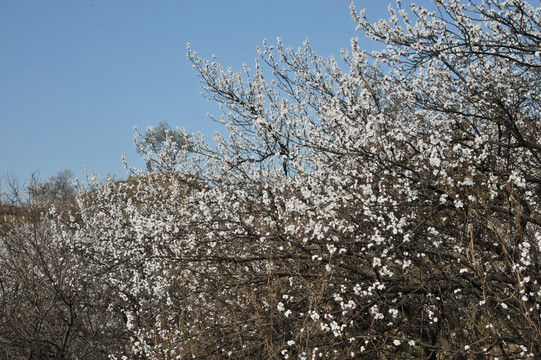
[[377, 205], [51, 306]]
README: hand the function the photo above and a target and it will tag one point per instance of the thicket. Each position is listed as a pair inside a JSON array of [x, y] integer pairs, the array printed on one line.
[[381, 205]]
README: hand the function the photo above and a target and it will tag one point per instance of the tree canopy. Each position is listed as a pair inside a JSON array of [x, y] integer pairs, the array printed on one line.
[[381, 205]]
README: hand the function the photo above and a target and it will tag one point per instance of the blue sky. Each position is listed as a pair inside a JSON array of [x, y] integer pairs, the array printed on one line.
[[77, 75]]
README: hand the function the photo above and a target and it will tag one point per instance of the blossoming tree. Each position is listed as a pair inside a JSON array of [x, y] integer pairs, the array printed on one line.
[[380, 205]]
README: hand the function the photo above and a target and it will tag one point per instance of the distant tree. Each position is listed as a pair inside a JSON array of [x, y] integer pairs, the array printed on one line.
[[38, 194], [58, 189], [160, 140]]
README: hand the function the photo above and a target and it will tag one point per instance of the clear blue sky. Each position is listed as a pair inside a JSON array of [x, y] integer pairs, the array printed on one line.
[[77, 75]]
